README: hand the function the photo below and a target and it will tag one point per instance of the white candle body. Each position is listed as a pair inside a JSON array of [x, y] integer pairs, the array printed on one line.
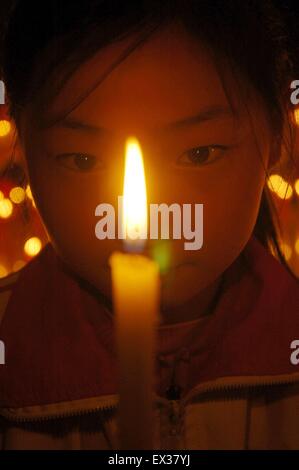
[[136, 292]]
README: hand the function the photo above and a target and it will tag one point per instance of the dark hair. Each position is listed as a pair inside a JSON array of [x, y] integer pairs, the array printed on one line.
[[59, 36]]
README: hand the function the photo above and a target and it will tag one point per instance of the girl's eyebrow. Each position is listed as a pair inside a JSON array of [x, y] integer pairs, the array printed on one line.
[[205, 114], [75, 124]]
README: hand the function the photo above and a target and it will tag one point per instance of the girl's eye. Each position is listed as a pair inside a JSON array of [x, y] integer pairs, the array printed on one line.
[[201, 155], [79, 161]]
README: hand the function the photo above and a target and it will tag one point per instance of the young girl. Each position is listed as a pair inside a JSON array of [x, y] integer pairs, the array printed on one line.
[[204, 86]]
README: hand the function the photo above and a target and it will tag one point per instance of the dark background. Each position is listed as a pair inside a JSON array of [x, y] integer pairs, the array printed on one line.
[[289, 8], [290, 11]]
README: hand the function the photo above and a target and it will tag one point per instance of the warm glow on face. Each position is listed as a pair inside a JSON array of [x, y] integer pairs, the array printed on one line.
[[280, 187], [17, 194], [5, 128], [32, 246], [135, 201], [6, 208]]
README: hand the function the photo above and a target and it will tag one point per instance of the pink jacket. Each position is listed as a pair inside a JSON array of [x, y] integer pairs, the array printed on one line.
[[240, 390]]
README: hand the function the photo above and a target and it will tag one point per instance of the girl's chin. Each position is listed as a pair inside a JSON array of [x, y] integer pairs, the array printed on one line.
[[180, 285]]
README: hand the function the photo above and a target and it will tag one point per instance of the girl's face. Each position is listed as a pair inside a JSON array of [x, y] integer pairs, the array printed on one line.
[[169, 95]]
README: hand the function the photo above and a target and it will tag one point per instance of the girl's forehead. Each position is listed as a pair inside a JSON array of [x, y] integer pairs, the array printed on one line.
[[169, 76]]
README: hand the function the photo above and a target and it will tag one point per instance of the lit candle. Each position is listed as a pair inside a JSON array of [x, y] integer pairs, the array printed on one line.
[[136, 292]]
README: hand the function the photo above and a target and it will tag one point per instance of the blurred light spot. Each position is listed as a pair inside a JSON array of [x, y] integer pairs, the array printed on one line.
[[3, 271], [280, 187], [1, 195], [296, 186], [297, 246], [19, 264], [32, 246], [287, 192], [17, 194], [286, 251], [6, 208], [296, 116], [274, 182], [5, 127]]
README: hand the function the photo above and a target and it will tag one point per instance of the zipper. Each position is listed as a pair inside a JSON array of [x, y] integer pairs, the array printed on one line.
[[176, 407], [109, 405], [247, 382]]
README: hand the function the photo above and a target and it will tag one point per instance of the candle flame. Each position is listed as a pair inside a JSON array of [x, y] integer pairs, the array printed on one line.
[[134, 197]]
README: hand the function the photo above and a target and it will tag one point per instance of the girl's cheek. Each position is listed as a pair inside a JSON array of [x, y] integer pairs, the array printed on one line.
[[66, 201]]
